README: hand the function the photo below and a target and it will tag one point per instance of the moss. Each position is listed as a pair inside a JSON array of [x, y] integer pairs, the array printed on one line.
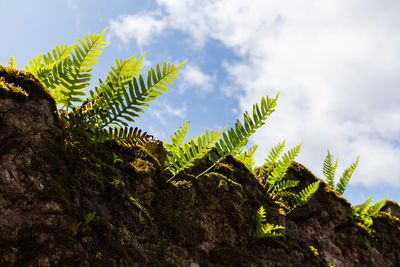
[[228, 256], [32, 85], [314, 251], [9, 89]]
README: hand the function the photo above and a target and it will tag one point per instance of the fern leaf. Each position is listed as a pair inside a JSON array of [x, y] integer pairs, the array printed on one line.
[[125, 136], [377, 207], [345, 178], [121, 105], [12, 61], [47, 66], [178, 138], [305, 194], [280, 169], [364, 207], [329, 169], [285, 184], [247, 157], [191, 151], [125, 69], [261, 215], [237, 136], [274, 155]]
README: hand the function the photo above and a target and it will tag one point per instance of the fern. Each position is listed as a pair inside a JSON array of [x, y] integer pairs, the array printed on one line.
[[178, 138], [365, 211], [12, 61], [285, 184], [265, 229], [66, 72], [237, 136], [305, 194], [274, 155], [280, 169], [345, 178], [196, 148], [330, 169], [125, 136], [247, 157]]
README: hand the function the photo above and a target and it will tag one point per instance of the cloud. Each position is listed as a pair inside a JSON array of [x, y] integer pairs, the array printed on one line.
[[161, 110], [141, 27], [193, 77], [335, 63]]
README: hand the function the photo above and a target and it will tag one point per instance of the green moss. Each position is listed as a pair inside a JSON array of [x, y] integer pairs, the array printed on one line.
[[9, 89]]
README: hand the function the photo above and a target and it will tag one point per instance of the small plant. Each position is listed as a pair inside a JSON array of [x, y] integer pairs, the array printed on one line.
[[88, 218], [231, 143], [274, 182], [141, 218], [265, 229], [12, 61], [329, 170], [116, 158], [365, 211], [66, 72], [247, 157]]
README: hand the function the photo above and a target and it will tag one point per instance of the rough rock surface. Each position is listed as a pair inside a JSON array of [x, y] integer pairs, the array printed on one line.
[[48, 187]]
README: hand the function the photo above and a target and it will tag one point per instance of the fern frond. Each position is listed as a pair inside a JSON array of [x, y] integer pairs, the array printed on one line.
[[274, 155], [125, 70], [377, 207], [345, 178], [121, 105], [285, 184], [265, 229], [261, 215], [46, 68], [305, 194], [77, 78], [125, 136], [178, 138], [364, 207], [280, 169], [247, 157], [238, 136], [329, 169], [12, 61], [191, 151]]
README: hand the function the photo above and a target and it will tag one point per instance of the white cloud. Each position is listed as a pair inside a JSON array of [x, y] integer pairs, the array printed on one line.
[[335, 63], [161, 110], [73, 4], [140, 27], [193, 77]]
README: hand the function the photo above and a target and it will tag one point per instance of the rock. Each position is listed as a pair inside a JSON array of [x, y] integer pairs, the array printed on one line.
[[69, 203]]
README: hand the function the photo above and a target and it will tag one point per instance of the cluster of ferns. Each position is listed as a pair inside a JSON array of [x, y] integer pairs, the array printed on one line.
[[104, 116]]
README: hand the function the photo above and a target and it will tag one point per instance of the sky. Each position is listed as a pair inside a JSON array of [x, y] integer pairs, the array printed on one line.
[[335, 63]]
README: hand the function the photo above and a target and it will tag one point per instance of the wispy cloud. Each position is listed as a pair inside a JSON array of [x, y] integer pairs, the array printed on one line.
[[193, 77], [140, 27]]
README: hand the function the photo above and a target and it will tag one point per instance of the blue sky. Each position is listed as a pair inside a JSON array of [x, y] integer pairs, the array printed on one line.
[[335, 63]]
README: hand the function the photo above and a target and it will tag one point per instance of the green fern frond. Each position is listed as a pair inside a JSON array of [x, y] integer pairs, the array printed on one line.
[[191, 151], [280, 169], [329, 169], [265, 229], [47, 66], [364, 207], [274, 155], [345, 178], [178, 138], [285, 184], [122, 102], [261, 215], [12, 61], [125, 136], [305, 194], [237, 136], [79, 65], [377, 207], [125, 70], [247, 157]]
